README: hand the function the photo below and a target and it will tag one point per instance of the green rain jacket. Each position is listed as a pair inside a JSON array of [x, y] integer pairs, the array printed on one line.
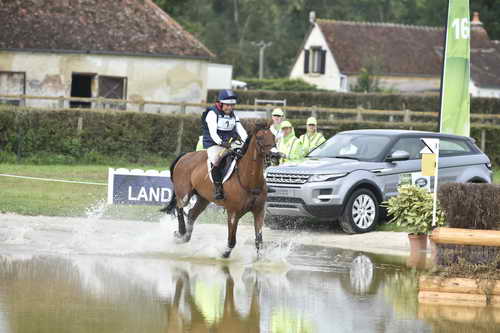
[[291, 146], [199, 145], [309, 142]]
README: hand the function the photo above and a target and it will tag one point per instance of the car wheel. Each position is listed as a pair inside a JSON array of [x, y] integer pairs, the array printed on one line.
[[361, 213]]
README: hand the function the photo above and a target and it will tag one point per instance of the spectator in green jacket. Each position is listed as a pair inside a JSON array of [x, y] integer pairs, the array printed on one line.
[[199, 145], [289, 145], [277, 117], [312, 138]]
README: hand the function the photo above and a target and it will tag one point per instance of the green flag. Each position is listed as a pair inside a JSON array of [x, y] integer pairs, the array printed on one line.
[[455, 101]]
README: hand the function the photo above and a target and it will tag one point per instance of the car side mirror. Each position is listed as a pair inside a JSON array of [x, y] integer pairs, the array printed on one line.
[[398, 155]]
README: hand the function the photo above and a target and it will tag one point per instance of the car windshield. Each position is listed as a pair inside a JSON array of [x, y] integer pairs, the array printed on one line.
[[362, 147]]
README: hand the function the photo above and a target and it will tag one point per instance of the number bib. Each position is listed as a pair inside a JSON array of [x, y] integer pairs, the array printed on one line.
[[226, 123]]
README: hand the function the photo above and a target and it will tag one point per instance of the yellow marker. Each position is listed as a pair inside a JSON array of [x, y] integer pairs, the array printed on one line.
[[428, 164]]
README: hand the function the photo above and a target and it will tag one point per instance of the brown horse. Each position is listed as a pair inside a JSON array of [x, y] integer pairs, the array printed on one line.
[[245, 191]]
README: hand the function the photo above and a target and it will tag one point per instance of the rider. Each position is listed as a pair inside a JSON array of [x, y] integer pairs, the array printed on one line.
[[220, 126]]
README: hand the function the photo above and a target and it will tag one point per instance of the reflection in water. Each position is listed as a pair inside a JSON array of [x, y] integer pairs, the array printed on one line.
[[361, 274], [322, 290]]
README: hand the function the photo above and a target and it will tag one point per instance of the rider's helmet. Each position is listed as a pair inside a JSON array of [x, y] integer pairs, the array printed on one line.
[[227, 96]]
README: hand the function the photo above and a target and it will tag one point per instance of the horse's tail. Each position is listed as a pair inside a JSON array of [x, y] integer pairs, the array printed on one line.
[[170, 207]]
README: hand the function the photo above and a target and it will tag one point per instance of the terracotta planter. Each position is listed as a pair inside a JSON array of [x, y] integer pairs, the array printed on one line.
[[418, 243], [418, 248]]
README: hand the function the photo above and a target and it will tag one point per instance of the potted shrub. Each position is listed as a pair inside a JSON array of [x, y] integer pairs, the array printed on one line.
[[412, 209]]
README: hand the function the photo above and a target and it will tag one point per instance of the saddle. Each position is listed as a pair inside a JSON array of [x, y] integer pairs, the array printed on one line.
[[227, 164]]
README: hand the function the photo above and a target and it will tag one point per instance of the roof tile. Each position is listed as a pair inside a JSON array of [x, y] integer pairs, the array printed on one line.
[[399, 49], [105, 26]]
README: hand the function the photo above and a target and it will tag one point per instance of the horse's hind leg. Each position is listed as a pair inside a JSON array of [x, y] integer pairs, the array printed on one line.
[[198, 208], [180, 234]]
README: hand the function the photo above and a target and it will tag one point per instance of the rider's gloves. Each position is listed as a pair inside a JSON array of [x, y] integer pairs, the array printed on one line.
[[225, 144]]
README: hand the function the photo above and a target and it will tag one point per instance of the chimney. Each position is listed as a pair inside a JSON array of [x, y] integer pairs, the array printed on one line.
[[312, 17]]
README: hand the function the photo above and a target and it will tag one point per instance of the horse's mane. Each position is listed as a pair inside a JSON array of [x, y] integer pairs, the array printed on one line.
[[246, 144], [257, 127]]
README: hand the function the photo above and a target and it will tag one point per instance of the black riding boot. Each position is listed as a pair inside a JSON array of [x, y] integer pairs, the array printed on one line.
[[218, 189]]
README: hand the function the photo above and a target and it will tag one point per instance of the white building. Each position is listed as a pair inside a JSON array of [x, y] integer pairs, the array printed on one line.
[[95, 48], [407, 58]]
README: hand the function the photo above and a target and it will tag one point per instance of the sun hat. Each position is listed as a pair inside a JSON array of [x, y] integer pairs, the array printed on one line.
[[278, 112], [311, 121], [286, 123]]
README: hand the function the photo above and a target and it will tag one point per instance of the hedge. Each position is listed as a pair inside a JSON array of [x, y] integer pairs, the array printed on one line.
[[377, 101], [130, 135], [471, 206]]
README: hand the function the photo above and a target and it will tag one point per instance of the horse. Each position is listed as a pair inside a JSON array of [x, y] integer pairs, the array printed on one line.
[[245, 191]]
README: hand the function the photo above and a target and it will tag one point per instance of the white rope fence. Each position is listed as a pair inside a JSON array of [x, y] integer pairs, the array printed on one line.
[[53, 180]]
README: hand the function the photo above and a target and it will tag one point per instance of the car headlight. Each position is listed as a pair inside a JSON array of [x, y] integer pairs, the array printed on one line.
[[327, 177]]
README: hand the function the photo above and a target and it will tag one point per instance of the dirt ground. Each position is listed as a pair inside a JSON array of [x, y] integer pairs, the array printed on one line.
[[391, 243]]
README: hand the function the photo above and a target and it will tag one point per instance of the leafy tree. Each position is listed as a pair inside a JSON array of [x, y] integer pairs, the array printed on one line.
[[228, 27]]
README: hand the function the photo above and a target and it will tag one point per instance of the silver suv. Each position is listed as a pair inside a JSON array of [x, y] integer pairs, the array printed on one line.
[[351, 174]]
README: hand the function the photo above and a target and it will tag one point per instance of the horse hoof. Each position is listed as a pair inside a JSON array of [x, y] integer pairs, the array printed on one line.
[[226, 254], [180, 238]]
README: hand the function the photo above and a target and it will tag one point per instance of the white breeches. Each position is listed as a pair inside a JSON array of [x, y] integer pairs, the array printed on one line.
[[214, 154]]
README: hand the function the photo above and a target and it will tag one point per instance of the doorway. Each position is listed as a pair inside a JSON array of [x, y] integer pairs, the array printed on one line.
[[81, 86]]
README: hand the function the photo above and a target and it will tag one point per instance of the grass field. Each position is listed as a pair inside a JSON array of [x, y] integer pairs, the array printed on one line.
[[38, 197]]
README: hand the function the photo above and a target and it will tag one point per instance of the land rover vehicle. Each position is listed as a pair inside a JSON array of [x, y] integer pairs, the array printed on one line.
[[351, 174]]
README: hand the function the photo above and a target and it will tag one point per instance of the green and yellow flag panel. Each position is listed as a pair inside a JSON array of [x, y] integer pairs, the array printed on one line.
[[455, 100]]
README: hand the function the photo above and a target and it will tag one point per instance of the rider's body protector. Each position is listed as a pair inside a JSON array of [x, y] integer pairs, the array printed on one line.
[[219, 127]]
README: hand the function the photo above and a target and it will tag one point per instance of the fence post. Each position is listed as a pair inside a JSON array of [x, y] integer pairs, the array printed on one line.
[[79, 126], [268, 111], [314, 111], [179, 137], [407, 116], [141, 106], [61, 102], [359, 116], [483, 139], [391, 118], [183, 108]]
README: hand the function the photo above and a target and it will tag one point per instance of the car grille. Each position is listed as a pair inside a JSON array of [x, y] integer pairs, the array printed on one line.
[[286, 178], [285, 199]]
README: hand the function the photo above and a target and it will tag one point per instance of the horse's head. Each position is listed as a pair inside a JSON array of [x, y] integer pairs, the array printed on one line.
[[265, 140]]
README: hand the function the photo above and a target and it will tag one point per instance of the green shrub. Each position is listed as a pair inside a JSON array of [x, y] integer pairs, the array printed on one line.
[[377, 101], [412, 208], [280, 84], [133, 136], [471, 206]]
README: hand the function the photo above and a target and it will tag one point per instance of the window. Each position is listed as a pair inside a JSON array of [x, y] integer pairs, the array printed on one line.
[[12, 83], [412, 146], [343, 82], [315, 60], [450, 147], [113, 87]]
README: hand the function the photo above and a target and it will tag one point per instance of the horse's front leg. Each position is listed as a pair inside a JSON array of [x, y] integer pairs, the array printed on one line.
[[258, 218], [232, 226]]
